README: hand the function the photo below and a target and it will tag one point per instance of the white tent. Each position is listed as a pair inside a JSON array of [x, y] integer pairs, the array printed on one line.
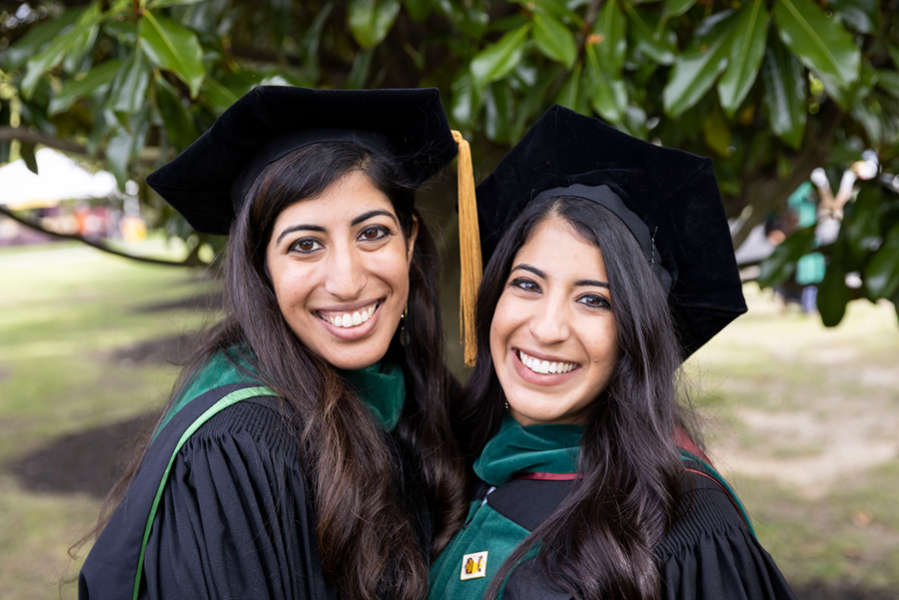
[[59, 178]]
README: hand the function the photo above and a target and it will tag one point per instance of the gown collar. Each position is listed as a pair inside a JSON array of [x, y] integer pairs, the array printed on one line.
[[383, 388], [532, 449]]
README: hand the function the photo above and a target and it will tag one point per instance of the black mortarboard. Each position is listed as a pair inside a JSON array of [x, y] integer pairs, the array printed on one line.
[[207, 182], [668, 198]]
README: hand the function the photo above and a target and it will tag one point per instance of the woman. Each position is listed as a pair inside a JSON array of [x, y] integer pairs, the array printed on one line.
[[613, 264], [305, 452]]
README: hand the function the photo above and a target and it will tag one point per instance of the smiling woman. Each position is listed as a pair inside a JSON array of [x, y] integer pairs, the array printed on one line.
[[306, 451], [609, 262]]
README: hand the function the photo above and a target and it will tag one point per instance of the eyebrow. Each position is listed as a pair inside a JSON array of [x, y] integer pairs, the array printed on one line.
[[360, 219], [579, 282]]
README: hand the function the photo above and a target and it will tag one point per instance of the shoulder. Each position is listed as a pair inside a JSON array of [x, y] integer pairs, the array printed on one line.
[[710, 552]]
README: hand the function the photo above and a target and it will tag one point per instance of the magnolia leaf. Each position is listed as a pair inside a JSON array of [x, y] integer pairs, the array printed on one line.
[[173, 48], [496, 60], [745, 57], [778, 267], [609, 39], [179, 125], [371, 20], [96, 80], [819, 42], [608, 94], [784, 94], [696, 70], [554, 40], [882, 273]]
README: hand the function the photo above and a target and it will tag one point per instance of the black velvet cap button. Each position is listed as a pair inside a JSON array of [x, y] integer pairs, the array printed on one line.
[[207, 182], [674, 194]]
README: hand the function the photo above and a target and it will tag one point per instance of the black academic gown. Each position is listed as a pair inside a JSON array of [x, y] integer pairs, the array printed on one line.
[[236, 518], [709, 553]]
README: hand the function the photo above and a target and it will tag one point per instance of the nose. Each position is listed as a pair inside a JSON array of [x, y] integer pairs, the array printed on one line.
[[550, 322], [346, 276]]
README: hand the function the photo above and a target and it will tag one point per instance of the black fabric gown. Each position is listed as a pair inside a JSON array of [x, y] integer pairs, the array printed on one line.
[[236, 518], [709, 554]]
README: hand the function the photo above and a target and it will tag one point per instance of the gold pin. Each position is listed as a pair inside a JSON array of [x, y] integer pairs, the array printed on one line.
[[474, 566]]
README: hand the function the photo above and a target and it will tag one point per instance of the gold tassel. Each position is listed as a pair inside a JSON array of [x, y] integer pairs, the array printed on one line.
[[469, 250]]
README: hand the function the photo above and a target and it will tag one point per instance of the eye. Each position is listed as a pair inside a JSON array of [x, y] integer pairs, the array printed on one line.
[[523, 283], [594, 301], [305, 245], [373, 233]]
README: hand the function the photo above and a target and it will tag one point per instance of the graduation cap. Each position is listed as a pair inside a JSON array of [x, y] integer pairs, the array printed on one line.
[[207, 183], [668, 199]]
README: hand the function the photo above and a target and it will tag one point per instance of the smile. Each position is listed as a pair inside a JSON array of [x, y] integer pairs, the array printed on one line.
[[349, 320], [545, 367]]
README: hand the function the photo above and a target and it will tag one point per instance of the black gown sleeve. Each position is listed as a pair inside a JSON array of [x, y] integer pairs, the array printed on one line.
[[710, 553], [234, 520]]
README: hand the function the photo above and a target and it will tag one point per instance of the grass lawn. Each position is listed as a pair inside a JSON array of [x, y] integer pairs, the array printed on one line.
[[66, 314], [800, 418]]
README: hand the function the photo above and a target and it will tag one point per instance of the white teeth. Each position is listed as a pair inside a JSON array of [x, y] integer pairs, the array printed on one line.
[[352, 320], [544, 366]]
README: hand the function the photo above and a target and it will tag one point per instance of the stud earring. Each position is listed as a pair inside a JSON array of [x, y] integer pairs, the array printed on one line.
[[507, 405]]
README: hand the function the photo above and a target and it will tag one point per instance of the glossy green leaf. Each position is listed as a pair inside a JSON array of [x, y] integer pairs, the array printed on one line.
[[608, 94], [359, 72], [697, 69], [819, 42], [26, 151], [28, 46], [466, 101], [573, 95], [716, 134], [129, 90], [861, 225], [371, 20], [778, 267], [746, 53], [888, 81], [833, 295], [858, 90], [118, 154], [635, 121], [418, 9], [611, 27], [532, 101], [554, 40], [861, 15], [96, 80], [870, 121], [499, 110], [784, 94], [223, 92], [882, 274], [496, 60], [82, 45], [179, 125], [55, 51], [647, 39], [173, 48], [675, 8]]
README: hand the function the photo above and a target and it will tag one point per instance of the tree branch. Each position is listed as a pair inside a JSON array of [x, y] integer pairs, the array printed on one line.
[[769, 193], [24, 134], [192, 259]]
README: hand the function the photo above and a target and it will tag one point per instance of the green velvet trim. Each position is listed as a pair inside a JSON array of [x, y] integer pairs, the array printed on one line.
[[532, 449], [224, 368], [383, 387]]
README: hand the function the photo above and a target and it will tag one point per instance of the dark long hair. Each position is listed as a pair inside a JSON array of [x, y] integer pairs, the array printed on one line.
[[599, 543], [369, 546]]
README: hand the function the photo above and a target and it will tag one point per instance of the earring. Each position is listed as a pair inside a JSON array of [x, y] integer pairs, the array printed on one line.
[[404, 335], [507, 405]]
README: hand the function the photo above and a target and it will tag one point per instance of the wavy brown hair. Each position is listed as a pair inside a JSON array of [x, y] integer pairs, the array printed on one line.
[[369, 545], [599, 543]]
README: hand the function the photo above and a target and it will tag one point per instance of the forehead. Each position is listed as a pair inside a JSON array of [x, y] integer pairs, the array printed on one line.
[[557, 248], [343, 200]]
